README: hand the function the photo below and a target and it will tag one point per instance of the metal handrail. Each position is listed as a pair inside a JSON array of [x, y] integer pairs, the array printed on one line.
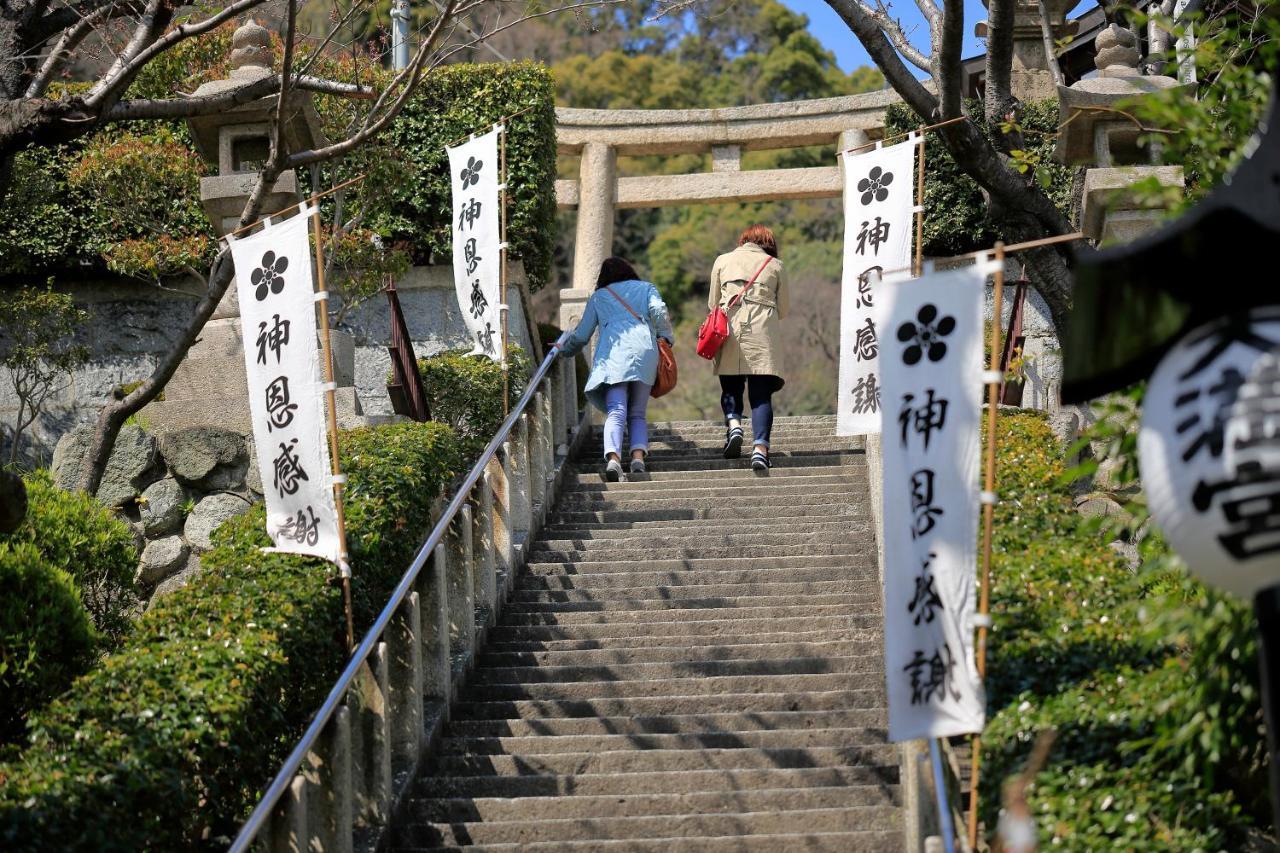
[[257, 820]]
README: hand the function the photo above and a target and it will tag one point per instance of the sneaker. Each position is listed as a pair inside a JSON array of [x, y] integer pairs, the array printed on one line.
[[759, 461], [637, 466], [733, 443], [613, 471]]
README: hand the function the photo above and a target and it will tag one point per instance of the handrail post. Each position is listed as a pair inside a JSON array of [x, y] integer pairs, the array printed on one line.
[[461, 593], [570, 399], [548, 436], [504, 528], [521, 482], [289, 820], [537, 465], [483, 545], [559, 417], [329, 809], [437, 668]]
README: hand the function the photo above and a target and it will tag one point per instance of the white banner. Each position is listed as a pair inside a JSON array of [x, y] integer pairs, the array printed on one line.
[[286, 391], [931, 367], [477, 241], [879, 202]]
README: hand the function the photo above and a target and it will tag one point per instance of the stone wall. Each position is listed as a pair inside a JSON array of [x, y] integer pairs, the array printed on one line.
[[131, 324]]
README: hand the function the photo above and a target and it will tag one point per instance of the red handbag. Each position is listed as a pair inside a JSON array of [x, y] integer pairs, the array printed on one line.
[[667, 372], [714, 330]]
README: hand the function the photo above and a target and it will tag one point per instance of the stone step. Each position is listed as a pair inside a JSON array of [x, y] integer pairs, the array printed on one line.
[[715, 462], [553, 728], [585, 569], [698, 654], [516, 618], [624, 529], [688, 629], [768, 494], [658, 479], [693, 685], [742, 598], [824, 483], [642, 544], [660, 451], [595, 829], [830, 842], [539, 745], [629, 596], [670, 761], [425, 810], [633, 582], [842, 506], [669, 671], [856, 551], [871, 633], [843, 699]]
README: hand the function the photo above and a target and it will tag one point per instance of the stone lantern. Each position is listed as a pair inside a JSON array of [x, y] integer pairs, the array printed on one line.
[[209, 387], [1031, 78], [238, 140], [1098, 132]]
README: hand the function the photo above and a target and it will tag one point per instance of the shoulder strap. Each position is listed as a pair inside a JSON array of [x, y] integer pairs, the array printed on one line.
[[743, 292], [630, 310]]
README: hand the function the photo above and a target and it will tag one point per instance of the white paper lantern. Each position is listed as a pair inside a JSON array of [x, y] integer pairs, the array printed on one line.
[[1209, 448]]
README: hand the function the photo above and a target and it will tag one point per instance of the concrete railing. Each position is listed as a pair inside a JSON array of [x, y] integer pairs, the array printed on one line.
[[342, 785]]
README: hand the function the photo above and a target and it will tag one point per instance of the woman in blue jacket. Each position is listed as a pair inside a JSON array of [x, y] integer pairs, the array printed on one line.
[[631, 317]]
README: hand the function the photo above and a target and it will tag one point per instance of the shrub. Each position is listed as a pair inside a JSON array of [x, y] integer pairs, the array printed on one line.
[[1119, 667], [465, 392], [46, 638], [955, 218], [77, 535], [167, 744], [457, 100]]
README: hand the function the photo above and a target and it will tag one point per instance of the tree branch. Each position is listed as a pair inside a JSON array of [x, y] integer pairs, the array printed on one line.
[[950, 66], [882, 52], [1050, 55], [893, 31], [999, 85], [71, 37], [173, 108]]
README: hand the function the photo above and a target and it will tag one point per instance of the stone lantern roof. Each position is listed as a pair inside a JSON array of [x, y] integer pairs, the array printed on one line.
[[252, 58]]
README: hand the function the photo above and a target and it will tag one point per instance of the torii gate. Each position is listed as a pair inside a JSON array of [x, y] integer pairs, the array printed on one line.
[[599, 136]]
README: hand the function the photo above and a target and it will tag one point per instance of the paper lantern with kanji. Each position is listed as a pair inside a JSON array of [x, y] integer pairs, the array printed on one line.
[[1209, 448]]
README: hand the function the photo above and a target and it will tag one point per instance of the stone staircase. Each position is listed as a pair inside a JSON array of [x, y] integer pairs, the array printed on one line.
[[691, 662]]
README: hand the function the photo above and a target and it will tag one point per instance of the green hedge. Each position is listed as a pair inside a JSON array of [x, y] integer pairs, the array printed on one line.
[[465, 392], [46, 638], [457, 100], [1117, 666], [955, 214], [167, 744], [79, 536]]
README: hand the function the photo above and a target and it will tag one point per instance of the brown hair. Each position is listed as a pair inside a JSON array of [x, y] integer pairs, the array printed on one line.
[[762, 237], [614, 270]]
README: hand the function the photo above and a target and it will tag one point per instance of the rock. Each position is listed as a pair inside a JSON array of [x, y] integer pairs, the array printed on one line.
[[161, 558], [1128, 552], [160, 507], [13, 501], [139, 536], [208, 515], [130, 469], [207, 457], [177, 581], [1098, 506]]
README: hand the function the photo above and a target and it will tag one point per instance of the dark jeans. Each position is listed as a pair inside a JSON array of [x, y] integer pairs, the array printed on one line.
[[761, 389]]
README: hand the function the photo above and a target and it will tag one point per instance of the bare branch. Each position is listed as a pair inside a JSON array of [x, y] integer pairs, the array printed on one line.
[[173, 108], [882, 52], [1050, 55], [930, 10], [893, 30], [70, 38], [999, 87], [950, 68]]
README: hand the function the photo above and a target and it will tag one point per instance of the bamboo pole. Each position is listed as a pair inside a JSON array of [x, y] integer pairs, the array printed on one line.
[[925, 129], [920, 207], [504, 309], [291, 208], [344, 570], [988, 521]]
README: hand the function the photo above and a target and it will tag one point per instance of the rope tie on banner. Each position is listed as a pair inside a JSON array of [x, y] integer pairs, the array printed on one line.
[[329, 386], [992, 377], [320, 296]]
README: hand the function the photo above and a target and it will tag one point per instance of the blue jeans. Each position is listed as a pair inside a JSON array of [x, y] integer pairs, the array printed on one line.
[[624, 410], [761, 389]]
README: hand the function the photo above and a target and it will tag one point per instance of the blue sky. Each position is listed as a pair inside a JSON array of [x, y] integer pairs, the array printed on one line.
[[835, 36]]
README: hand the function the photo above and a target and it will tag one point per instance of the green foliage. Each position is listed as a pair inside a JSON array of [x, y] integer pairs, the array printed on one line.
[[956, 219], [1237, 56], [465, 392], [167, 744], [44, 223], [46, 638], [77, 535], [37, 349], [1144, 679], [453, 102]]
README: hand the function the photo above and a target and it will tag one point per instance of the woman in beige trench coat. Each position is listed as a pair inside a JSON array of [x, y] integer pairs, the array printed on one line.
[[751, 358]]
